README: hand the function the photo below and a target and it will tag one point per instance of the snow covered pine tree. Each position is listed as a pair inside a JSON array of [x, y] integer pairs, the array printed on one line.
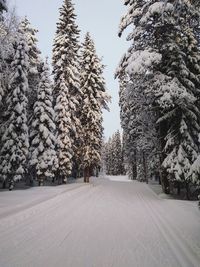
[[113, 155], [66, 88], [35, 62], [94, 99], [42, 136], [118, 164], [3, 6], [166, 47], [137, 118], [14, 150]]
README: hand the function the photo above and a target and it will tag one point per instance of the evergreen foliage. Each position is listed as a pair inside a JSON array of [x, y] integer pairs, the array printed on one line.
[[42, 136], [114, 160], [66, 87], [94, 98], [35, 63], [14, 150], [163, 65]]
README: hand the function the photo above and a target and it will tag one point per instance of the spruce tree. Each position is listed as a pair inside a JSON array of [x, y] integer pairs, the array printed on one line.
[[109, 156], [3, 6], [117, 150], [4, 47], [43, 154], [14, 150], [35, 62], [66, 87], [164, 61], [94, 99]]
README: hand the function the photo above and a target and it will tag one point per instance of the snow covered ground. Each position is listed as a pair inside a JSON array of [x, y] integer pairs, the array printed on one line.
[[102, 224]]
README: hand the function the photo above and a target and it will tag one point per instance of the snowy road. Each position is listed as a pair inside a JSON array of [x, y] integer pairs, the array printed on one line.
[[105, 224]]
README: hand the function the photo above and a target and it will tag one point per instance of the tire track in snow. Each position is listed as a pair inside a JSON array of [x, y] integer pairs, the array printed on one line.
[[180, 248]]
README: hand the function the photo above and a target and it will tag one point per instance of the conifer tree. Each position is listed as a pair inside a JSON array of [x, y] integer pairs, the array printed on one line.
[[67, 87], [108, 156], [42, 136], [14, 150], [94, 99], [117, 147], [8, 34], [164, 61], [3, 54], [3, 6], [35, 62]]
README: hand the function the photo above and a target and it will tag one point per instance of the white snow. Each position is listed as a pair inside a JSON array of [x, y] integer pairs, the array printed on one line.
[[118, 178], [141, 61], [101, 224]]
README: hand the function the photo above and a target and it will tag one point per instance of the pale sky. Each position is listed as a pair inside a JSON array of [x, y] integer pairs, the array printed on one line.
[[101, 18]]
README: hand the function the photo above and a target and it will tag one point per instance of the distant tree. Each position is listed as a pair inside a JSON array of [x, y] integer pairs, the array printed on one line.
[[14, 150], [114, 155], [66, 88], [117, 150]]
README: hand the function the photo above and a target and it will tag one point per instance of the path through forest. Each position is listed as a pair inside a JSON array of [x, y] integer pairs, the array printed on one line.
[[108, 223]]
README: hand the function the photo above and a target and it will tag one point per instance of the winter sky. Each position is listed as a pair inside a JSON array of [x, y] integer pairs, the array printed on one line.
[[101, 18]]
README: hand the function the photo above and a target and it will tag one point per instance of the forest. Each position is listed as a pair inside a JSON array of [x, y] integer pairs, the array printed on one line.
[[72, 195], [51, 121], [51, 116]]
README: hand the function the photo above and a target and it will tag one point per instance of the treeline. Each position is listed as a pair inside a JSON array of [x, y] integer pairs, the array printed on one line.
[[159, 80], [113, 156], [50, 125]]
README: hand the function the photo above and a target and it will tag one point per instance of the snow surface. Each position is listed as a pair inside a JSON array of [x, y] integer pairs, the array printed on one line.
[[101, 224]]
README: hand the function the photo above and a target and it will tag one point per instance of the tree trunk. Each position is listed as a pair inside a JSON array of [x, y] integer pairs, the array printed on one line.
[[163, 173], [86, 174], [187, 191], [165, 182], [11, 185], [145, 167], [40, 180], [134, 166], [4, 184], [178, 189]]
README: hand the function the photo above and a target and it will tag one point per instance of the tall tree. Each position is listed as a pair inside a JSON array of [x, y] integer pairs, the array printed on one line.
[[94, 99], [42, 136], [67, 87], [117, 145], [3, 6], [35, 63], [14, 150], [164, 64]]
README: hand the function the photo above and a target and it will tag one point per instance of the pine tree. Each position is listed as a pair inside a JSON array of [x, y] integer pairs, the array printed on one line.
[[3, 6], [117, 147], [35, 62], [3, 65], [67, 87], [108, 156], [164, 61], [42, 136], [94, 99], [114, 155], [8, 34], [14, 150]]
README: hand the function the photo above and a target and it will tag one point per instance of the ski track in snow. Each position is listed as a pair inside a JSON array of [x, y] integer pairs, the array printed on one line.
[[107, 223]]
